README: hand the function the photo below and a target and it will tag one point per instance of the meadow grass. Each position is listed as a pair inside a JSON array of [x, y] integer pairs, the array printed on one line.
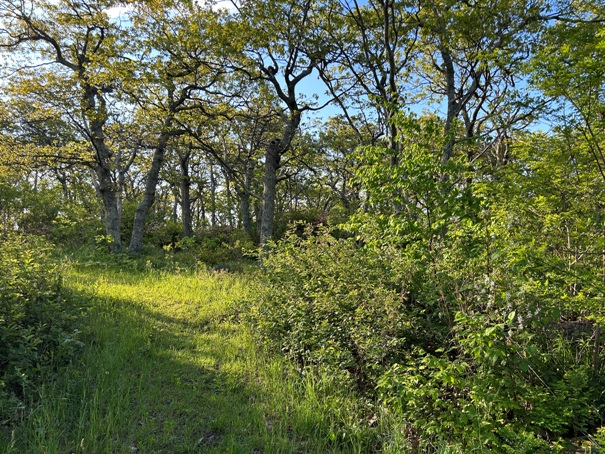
[[168, 368]]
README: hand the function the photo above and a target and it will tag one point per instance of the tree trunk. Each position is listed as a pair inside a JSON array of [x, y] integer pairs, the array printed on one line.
[[138, 228], [186, 196], [213, 217], [244, 195], [272, 158], [96, 116], [229, 199], [244, 208], [453, 106], [258, 214], [110, 208], [62, 178], [175, 203]]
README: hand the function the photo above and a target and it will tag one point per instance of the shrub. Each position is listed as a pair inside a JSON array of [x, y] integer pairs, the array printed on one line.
[[474, 306], [463, 360], [219, 246], [324, 301], [37, 320], [495, 388]]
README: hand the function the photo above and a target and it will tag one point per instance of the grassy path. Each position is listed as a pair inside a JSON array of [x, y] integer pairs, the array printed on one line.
[[166, 369]]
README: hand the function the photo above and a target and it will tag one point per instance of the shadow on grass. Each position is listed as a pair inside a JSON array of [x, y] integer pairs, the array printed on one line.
[[150, 382]]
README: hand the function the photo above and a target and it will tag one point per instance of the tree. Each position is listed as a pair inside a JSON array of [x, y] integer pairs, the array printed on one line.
[[377, 43], [339, 144], [175, 76], [72, 47], [569, 70], [471, 58], [237, 139], [280, 43]]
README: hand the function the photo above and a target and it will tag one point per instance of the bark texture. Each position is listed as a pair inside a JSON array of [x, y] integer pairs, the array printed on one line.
[[140, 215], [272, 159]]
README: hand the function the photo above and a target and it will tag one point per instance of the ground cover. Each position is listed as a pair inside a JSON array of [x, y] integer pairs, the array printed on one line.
[[168, 368]]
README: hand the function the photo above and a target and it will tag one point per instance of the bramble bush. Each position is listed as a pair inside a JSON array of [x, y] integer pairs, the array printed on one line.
[[218, 246], [324, 301], [473, 314], [38, 320], [496, 376]]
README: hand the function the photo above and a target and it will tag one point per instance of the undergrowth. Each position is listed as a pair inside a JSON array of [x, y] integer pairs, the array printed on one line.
[[167, 367], [39, 321]]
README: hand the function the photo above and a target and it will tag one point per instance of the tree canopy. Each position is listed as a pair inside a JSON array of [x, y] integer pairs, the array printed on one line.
[[423, 182]]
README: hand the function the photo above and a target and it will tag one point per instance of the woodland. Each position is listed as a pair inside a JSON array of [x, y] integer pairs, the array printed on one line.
[[273, 226]]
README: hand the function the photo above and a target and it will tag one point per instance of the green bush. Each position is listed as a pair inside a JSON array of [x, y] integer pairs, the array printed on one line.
[[76, 225], [44, 210], [38, 322], [495, 388], [325, 301], [219, 246], [298, 218], [472, 304], [463, 360]]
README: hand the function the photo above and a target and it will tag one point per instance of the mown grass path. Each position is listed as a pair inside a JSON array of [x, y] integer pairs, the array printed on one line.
[[167, 369]]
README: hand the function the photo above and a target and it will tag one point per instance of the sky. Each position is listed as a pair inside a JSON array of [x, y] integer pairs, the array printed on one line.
[[310, 86], [118, 11]]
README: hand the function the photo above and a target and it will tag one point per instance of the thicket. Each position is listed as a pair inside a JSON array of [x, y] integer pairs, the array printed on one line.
[[474, 313], [39, 321]]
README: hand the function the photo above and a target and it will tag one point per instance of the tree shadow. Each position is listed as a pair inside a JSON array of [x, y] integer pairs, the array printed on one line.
[[187, 386]]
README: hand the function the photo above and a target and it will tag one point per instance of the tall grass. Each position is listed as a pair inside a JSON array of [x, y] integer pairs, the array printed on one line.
[[167, 368]]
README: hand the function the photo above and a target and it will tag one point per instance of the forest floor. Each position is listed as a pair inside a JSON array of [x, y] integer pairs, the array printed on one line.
[[167, 368]]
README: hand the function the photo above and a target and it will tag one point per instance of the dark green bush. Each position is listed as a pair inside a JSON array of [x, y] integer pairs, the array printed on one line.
[[38, 322], [44, 210], [325, 301], [495, 388], [219, 246], [76, 225], [298, 218], [463, 359], [472, 304]]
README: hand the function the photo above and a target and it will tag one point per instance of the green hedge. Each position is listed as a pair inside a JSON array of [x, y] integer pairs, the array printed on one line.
[[38, 321]]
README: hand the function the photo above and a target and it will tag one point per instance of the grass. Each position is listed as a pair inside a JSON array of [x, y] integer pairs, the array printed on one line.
[[167, 368]]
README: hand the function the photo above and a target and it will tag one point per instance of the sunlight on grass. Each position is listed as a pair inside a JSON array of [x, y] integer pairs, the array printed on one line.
[[168, 368]]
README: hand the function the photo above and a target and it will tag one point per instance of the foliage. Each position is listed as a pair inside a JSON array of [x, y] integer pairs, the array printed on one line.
[[38, 321], [464, 289], [42, 209], [222, 247], [473, 314], [170, 370], [327, 302]]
